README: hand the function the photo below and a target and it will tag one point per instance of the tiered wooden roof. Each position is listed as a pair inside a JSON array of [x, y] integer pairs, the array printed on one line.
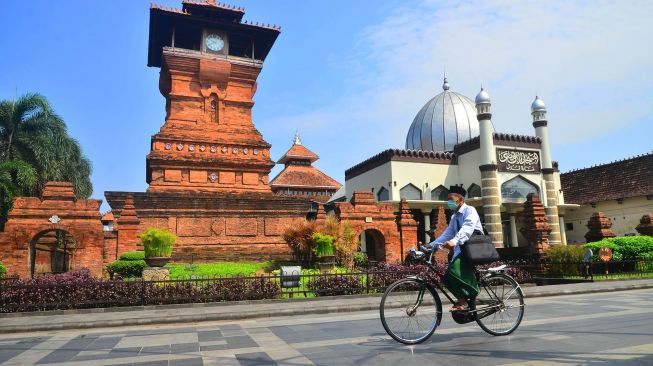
[[299, 171]]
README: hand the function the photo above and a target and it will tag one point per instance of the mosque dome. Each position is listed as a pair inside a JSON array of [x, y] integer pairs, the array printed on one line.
[[538, 105], [446, 120]]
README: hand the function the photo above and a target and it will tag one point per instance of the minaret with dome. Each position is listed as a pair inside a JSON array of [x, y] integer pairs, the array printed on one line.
[[538, 111]]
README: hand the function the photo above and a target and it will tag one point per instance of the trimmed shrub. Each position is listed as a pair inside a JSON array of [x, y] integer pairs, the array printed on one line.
[[565, 260], [133, 256], [3, 270], [157, 242], [566, 253], [324, 244], [333, 285], [625, 247], [126, 268]]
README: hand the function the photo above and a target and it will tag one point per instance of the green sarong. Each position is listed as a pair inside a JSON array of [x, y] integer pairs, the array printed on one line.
[[460, 279]]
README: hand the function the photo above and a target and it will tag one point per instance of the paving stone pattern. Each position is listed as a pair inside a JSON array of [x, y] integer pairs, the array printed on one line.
[[608, 328]]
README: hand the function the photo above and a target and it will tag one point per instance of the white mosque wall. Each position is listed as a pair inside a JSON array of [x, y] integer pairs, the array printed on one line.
[[468, 164], [558, 185], [625, 217], [419, 174], [373, 178]]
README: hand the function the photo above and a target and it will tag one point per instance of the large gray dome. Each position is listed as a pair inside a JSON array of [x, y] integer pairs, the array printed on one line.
[[444, 121]]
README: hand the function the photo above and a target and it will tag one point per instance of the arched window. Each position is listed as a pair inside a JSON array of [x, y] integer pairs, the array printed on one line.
[[382, 194], [410, 192], [474, 191], [517, 188], [439, 193]]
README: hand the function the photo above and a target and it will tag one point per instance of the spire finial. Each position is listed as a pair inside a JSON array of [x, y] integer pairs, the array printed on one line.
[[297, 140]]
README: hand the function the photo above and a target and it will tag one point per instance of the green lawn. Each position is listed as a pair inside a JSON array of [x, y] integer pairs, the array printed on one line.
[[217, 269], [613, 276]]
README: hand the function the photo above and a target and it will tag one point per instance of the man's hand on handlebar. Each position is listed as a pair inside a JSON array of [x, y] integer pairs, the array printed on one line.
[[448, 244]]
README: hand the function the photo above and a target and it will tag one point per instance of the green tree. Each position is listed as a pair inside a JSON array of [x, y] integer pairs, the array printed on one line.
[[32, 132], [17, 178]]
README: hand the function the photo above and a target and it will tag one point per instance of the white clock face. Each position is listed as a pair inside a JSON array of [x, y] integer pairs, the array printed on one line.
[[214, 42]]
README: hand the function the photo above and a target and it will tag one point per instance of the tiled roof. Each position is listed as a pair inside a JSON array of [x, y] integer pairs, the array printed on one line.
[[298, 152], [304, 176], [108, 216], [227, 7], [626, 178], [214, 4], [435, 157], [503, 139]]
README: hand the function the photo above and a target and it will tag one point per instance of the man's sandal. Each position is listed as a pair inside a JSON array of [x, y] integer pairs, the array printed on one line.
[[459, 308]]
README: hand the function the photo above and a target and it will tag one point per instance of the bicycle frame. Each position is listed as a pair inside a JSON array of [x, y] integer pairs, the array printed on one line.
[[489, 308]]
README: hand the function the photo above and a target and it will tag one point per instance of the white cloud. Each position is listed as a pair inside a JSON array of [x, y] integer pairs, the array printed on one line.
[[590, 61]]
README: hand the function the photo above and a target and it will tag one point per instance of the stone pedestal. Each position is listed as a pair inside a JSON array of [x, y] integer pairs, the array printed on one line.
[[156, 274]]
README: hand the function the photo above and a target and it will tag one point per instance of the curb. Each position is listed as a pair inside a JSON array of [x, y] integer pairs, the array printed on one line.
[[235, 311]]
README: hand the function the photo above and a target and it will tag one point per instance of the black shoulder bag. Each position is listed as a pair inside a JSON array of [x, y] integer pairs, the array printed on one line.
[[479, 248]]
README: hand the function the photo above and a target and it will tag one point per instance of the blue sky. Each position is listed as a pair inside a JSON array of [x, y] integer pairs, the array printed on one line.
[[350, 75]]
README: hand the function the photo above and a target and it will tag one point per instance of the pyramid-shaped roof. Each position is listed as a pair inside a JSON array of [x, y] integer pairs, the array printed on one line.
[[304, 176], [299, 173], [298, 152]]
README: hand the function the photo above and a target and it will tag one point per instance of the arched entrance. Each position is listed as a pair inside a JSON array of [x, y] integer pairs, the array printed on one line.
[[52, 251], [373, 244]]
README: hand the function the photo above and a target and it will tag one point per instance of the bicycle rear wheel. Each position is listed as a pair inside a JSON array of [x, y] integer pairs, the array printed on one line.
[[410, 311], [500, 305]]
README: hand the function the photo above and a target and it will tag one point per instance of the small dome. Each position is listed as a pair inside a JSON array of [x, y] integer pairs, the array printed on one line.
[[482, 97], [446, 120], [538, 105]]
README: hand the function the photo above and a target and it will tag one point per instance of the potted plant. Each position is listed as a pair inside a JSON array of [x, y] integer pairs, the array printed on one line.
[[324, 250], [157, 244]]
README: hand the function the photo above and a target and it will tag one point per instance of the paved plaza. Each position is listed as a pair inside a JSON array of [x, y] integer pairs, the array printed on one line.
[[599, 329]]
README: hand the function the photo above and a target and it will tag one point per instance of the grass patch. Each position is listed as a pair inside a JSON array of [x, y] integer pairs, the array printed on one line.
[[611, 276], [180, 271]]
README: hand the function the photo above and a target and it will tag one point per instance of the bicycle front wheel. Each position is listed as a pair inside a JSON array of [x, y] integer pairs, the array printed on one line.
[[499, 306], [411, 310]]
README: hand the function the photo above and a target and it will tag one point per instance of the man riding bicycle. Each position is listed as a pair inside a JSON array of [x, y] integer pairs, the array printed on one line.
[[460, 278]]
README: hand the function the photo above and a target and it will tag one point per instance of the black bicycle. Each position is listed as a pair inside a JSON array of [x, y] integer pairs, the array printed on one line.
[[411, 309]]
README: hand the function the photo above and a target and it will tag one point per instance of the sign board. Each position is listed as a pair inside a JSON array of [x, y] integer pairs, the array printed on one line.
[[605, 254], [368, 219], [518, 161]]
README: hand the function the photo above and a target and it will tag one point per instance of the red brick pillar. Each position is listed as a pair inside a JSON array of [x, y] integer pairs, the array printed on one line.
[[599, 225], [645, 226], [536, 227], [407, 230], [128, 223]]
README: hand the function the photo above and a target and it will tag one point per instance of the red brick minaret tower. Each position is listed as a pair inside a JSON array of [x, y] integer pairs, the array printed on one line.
[[209, 60], [208, 165]]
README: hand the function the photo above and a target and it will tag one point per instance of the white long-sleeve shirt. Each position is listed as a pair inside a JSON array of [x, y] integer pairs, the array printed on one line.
[[461, 227]]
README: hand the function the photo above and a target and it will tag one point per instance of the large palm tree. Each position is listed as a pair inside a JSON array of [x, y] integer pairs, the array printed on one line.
[[32, 132]]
